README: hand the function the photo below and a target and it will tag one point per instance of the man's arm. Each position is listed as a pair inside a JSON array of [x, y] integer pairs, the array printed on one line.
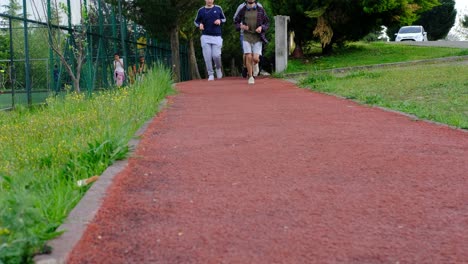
[[265, 20], [198, 18], [238, 18], [222, 16]]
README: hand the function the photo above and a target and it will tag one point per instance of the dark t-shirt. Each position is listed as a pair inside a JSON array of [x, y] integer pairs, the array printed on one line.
[[251, 20], [207, 16]]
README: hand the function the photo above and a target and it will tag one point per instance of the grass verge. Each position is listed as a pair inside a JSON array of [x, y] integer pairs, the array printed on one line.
[[437, 92], [360, 53], [45, 151]]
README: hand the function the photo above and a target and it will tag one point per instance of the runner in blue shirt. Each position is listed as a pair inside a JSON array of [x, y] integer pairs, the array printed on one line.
[[209, 20]]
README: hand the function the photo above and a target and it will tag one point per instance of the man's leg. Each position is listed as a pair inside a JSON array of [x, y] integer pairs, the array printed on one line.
[[207, 56], [248, 61], [216, 52], [248, 64], [255, 62], [257, 51], [244, 69]]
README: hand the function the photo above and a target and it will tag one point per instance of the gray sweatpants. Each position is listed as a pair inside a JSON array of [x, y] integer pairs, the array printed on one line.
[[211, 46]]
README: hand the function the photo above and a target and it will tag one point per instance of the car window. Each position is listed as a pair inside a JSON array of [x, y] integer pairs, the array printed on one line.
[[410, 30]]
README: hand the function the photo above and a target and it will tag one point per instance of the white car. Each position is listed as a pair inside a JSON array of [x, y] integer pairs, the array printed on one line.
[[411, 33]]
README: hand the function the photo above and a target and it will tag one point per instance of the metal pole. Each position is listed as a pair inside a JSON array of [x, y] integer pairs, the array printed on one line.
[[122, 36], [69, 15], [12, 66], [114, 31], [89, 52], [135, 40], [26, 52], [71, 40], [101, 49], [52, 83]]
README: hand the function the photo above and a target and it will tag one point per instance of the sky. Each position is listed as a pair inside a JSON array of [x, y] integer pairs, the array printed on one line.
[[459, 4], [458, 32], [75, 8]]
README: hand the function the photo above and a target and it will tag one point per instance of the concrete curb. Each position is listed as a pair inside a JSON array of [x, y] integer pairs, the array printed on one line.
[[84, 212]]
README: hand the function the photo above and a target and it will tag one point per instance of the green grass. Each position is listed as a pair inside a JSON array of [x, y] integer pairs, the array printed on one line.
[[44, 151], [358, 54], [437, 92]]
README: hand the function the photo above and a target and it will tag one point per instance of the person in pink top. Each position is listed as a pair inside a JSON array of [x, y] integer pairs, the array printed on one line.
[[119, 70]]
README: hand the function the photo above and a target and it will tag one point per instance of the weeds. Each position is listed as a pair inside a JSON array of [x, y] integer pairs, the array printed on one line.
[[46, 150]]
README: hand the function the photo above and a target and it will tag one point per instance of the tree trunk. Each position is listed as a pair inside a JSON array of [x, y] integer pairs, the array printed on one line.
[[298, 52], [175, 54], [234, 70], [194, 72], [327, 48], [76, 83], [74, 77]]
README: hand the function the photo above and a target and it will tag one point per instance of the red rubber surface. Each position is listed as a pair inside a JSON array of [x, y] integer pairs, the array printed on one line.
[[270, 173]]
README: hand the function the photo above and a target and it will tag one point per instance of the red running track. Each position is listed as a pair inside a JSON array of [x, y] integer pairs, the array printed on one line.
[[270, 173]]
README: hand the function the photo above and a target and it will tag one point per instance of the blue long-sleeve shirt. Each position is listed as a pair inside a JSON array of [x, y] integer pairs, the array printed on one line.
[[207, 17]]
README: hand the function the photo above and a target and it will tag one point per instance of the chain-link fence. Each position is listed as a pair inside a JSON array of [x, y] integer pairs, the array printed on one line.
[[30, 70]]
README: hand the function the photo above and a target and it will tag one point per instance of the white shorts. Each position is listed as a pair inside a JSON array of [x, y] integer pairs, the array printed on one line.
[[255, 48]]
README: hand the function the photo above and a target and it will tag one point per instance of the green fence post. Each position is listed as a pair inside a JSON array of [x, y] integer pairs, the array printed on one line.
[[89, 52], [12, 66], [122, 38], [26, 53], [51, 54], [101, 48]]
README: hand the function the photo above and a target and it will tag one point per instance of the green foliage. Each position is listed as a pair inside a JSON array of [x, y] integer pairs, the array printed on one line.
[[13, 8], [94, 160], [160, 17], [38, 52], [46, 150], [18, 241], [349, 20], [299, 22], [4, 45], [439, 20]]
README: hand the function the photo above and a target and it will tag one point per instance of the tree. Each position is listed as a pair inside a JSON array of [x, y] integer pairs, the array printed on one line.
[[14, 9], [189, 32], [439, 20], [4, 50], [299, 22], [163, 18], [75, 40], [337, 21], [350, 20]]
